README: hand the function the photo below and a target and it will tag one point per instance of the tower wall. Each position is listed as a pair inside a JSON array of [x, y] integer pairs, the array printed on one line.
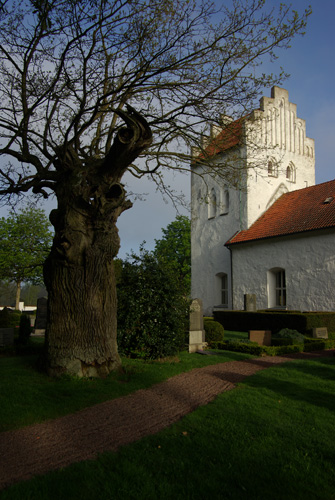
[[273, 156]]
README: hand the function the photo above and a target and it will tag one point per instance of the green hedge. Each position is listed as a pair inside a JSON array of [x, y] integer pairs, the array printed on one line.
[[318, 345], [258, 350], [243, 321]]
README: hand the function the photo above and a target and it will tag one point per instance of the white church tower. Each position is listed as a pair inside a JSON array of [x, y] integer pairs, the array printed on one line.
[[249, 164]]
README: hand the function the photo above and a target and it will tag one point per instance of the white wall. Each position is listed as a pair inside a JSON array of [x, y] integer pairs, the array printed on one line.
[[274, 131], [209, 234], [309, 264]]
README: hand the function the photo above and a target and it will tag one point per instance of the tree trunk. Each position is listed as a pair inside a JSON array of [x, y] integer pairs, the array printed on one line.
[[82, 303], [79, 272], [18, 295]]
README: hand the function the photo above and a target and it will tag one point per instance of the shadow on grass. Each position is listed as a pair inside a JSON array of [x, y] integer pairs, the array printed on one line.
[[307, 386]]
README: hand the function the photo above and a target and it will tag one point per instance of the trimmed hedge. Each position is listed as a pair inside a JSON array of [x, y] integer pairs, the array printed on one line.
[[248, 348], [318, 345], [259, 350], [243, 321]]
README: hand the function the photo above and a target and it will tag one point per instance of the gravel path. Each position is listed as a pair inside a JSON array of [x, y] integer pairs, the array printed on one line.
[[57, 443]]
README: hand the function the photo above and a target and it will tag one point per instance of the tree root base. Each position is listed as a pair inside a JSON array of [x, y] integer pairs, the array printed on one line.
[[78, 368]]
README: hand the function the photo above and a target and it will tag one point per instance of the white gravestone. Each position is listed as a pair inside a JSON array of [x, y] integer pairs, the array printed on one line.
[[197, 332]]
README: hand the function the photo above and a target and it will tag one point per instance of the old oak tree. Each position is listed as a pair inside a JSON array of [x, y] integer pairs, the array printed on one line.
[[87, 87]]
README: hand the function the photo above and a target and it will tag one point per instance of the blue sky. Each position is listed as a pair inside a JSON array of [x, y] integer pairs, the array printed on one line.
[[311, 86], [311, 63]]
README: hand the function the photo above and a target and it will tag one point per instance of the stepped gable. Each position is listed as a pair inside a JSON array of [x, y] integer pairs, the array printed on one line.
[[295, 212]]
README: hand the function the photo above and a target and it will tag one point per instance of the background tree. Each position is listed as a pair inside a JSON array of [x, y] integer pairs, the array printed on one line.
[[7, 293], [70, 72], [174, 250], [29, 293], [25, 242]]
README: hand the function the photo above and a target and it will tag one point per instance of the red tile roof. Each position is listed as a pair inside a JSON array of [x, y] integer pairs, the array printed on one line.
[[227, 139], [303, 210]]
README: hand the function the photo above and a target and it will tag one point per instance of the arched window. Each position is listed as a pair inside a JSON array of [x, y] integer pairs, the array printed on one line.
[[212, 204], [272, 168], [280, 288], [222, 281], [224, 201], [291, 172], [277, 288]]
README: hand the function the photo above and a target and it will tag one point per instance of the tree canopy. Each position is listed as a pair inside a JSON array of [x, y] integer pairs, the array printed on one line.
[[174, 250], [25, 241], [70, 68]]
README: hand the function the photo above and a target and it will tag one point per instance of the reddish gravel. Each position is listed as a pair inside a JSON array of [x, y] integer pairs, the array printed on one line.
[[57, 443]]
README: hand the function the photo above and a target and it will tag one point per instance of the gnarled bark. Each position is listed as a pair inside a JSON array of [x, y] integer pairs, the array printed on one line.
[[79, 273]]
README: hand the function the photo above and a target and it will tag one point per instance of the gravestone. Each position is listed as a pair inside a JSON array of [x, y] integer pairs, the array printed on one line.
[[6, 336], [262, 337], [197, 332], [250, 302], [320, 333], [41, 315]]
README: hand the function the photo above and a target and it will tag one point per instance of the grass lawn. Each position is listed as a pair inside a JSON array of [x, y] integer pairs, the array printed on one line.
[[270, 438], [229, 335]]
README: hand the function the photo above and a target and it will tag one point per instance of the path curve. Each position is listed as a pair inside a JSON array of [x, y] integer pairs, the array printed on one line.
[[54, 444]]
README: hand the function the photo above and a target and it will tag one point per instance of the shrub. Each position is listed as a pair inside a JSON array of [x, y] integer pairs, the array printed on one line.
[[276, 342], [9, 318], [152, 311], [214, 331], [288, 337]]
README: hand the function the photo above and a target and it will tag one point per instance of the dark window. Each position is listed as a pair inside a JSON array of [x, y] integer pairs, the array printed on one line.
[[280, 289], [224, 290]]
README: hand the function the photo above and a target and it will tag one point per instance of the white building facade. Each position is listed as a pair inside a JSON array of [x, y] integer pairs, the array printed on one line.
[[267, 155], [295, 273]]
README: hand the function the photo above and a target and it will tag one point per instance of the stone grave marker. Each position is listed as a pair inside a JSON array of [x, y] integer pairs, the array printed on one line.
[[197, 332], [320, 333], [262, 337], [41, 315], [250, 302]]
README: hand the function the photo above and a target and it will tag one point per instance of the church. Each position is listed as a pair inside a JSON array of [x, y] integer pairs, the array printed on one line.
[[261, 228]]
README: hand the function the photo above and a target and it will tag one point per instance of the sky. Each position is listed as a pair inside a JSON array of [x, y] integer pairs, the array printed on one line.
[[310, 62]]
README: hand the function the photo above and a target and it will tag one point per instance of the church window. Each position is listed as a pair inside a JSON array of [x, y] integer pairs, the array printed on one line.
[[224, 202], [223, 289], [291, 172], [272, 168], [212, 204], [277, 288], [280, 289]]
